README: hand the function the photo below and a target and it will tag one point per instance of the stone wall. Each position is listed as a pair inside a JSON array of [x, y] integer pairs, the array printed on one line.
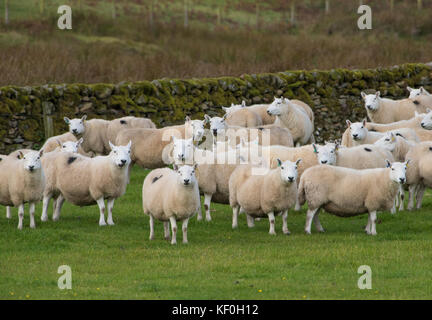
[[30, 114]]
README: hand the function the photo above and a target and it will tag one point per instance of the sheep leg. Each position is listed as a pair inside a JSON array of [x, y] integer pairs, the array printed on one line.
[[20, 216], [199, 215], [297, 205], [419, 196], [373, 219], [368, 225], [250, 221], [173, 230], [151, 237], [317, 222], [393, 209], [285, 223], [412, 188], [8, 212], [32, 212], [271, 218], [59, 204], [45, 203], [184, 230], [207, 201], [309, 216], [110, 204], [235, 216], [101, 204], [401, 198], [167, 234]]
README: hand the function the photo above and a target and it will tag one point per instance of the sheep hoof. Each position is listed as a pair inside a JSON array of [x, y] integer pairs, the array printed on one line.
[[321, 231], [185, 242], [20, 227], [272, 233], [168, 238], [307, 232], [173, 242], [55, 218], [102, 223], [286, 232], [151, 238], [234, 226], [199, 218], [111, 223], [33, 226], [44, 218], [208, 218]]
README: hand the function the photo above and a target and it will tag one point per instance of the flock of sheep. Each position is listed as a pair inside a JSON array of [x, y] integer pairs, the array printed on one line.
[[262, 160]]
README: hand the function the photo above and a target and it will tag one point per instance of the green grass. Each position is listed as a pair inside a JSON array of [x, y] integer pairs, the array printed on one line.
[[218, 263]]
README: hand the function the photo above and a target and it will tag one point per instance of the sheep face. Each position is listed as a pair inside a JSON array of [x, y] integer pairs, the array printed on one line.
[[275, 108], [186, 174], [32, 160], [388, 141], [195, 128], [416, 92], [71, 146], [427, 120], [398, 171], [326, 154], [217, 125], [371, 101], [120, 155], [183, 150], [358, 130], [76, 126], [288, 170]]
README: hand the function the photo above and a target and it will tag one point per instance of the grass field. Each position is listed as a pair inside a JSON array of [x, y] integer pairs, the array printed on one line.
[[119, 262]]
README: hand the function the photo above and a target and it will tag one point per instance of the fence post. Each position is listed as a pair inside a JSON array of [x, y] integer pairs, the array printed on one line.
[[419, 4], [47, 119], [292, 13], [6, 11], [327, 6], [186, 18], [391, 5]]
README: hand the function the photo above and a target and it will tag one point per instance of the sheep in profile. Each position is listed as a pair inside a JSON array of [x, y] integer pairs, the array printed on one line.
[[264, 195], [421, 97], [22, 182], [171, 196], [87, 181], [294, 118], [240, 115], [383, 110], [347, 192], [129, 122], [413, 123], [94, 133]]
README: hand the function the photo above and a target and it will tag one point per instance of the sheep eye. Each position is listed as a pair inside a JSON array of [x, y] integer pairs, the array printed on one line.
[[387, 139], [392, 169], [282, 168], [362, 127]]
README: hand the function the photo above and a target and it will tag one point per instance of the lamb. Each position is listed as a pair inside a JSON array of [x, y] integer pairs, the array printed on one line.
[[94, 133], [264, 195], [171, 196], [382, 110], [294, 118], [277, 135], [116, 125], [241, 116], [50, 170], [361, 157], [149, 146], [357, 134], [22, 181], [349, 192], [419, 172], [86, 181]]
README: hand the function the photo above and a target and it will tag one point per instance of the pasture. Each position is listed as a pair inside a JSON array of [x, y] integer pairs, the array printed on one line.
[[119, 262]]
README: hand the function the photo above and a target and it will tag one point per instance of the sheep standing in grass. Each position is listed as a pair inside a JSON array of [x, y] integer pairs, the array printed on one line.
[[94, 133], [87, 181], [171, 196], [264, 195], [382, 110], [294, 118], [347, 192], [22, 181]]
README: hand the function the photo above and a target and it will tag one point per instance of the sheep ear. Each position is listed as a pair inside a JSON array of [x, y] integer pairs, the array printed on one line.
[[422, 90], [348, 123], [67, 120], [409, 89], [225, 109], [378, 94], [59, 142], [407, 163], [363, 95], [111, 145], [195, 166], [175, 167], [364, 121], [20, 155], [388, 163], [206, 118], [80, 141], [336, 148], [279, 162], [187, 119], [84, 117], [243, 104], [298, 161], [428, 110], [393, 137], [224, 117], [129, 145], [315, 148], [41, 153]]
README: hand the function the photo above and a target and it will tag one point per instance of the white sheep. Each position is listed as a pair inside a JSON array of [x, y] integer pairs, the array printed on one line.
[[240, 115], [264, 195], [87, 181], [421, 97], [294, 118], [129, 122], [383, 110], [22, 182], [349, 192], [171, 196], [94, 133]]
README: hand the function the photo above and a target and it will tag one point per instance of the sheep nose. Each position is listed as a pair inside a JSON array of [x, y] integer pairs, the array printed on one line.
[[215, 131], [123, 161], [186, 181], [423, 125], [31, 168], [369, 107], [323, 161], [402, 180], [355, 135], [291, 179], [268, 112], [74, 130]]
